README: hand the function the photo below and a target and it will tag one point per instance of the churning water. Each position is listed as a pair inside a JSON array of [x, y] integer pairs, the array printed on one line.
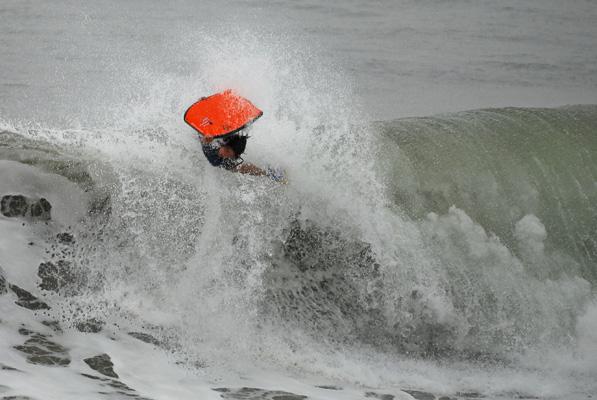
[[449, 255]]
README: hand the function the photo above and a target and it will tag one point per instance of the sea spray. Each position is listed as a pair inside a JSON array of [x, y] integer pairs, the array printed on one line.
[[383, 249]]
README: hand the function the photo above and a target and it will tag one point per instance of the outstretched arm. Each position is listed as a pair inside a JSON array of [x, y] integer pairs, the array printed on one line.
[[275, 175], [248, 168]]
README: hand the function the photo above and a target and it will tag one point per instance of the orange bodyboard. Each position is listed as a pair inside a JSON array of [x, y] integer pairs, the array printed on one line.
[[221, 114]]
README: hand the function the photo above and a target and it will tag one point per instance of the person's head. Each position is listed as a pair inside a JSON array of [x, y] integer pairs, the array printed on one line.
[[226, 151], [233, 147]]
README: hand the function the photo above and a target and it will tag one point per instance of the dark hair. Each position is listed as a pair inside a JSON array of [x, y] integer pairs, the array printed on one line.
[[237, 143]]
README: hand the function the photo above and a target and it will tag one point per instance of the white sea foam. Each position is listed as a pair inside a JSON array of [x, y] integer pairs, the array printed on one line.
[[185, 250]]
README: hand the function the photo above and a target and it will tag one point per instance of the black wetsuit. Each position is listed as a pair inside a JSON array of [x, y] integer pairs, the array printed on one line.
[[211, 153]]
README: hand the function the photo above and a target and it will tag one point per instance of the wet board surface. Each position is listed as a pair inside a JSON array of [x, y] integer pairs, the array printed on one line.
[[221, 114]]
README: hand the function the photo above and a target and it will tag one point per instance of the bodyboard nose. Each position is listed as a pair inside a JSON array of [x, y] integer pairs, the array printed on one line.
[[221, 114]]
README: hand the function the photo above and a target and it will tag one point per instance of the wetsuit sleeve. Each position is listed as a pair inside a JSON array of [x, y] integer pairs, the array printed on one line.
[[211, 153], [229, 164]]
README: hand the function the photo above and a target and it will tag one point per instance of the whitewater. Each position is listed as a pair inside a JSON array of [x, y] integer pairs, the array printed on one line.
[[437, 238]]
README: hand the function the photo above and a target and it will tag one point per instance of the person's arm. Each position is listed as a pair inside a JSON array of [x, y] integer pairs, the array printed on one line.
[[275, 175], [248, 168]]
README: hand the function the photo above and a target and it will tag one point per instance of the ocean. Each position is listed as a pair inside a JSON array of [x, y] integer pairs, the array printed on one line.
[[437, 238]]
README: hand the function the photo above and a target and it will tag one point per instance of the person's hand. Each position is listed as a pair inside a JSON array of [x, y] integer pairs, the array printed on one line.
[[276, 174]]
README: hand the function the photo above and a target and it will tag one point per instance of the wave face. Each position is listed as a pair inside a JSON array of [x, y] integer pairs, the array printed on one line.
[[502, 205], [467, 237], [500, 165]]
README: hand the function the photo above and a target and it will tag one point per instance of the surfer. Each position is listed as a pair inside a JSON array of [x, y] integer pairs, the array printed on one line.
[[226, 153], [220, 120]]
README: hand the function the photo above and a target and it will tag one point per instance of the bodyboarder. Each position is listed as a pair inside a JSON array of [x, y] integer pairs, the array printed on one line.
[[226, 153], [220, 120]]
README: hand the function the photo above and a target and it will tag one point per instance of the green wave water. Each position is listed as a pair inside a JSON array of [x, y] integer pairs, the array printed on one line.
[[499, 165]]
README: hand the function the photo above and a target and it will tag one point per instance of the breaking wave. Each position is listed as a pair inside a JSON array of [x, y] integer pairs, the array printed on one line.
[[469, 235]]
